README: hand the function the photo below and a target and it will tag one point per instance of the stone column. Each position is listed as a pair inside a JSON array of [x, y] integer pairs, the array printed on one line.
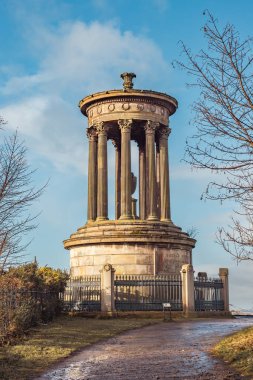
[[102, 192], [107, 289], [223, 274], [117, 178], [158, 180], [150, 128], [142, 181], [126, 206], [187, 275], [164, 175], [134, 201], [92, 175]]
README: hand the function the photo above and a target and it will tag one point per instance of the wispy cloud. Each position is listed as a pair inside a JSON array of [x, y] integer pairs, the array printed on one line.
[[74, 60], [50, 128], [161, 5]]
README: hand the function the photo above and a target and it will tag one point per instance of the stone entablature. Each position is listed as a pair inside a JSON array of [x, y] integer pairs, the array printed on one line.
[[137, 109], [141, 97]]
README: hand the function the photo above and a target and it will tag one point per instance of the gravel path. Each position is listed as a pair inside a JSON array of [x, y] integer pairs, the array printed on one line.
[[173, 350]]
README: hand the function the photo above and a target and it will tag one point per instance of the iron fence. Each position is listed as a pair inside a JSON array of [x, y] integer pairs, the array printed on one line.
[[145, 292], [23, 308], [82, 294], [208, 294]]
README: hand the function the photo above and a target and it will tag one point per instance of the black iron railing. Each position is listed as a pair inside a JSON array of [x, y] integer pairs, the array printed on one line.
[[82, 294], [208, 294], [142, 292]]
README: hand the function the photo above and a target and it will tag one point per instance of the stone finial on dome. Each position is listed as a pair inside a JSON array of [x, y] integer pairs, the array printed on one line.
[[128, 80]]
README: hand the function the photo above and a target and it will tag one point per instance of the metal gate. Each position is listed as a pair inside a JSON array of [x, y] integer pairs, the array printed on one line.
[[82, 294], [142, 292], [208, 294]]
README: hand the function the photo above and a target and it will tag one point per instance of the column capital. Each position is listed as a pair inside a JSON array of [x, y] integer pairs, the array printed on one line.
[[150, 127], [125, 125], [91, 133], [101, 128], [164, 132]]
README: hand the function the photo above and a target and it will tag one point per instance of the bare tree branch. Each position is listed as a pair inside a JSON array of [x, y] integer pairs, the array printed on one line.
[[223, 142], [17, 194]]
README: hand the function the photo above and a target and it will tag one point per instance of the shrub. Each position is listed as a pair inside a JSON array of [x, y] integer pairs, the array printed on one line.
[[28, 294]]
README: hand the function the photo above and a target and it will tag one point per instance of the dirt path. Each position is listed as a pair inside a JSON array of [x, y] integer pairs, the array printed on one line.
[[173, 350]]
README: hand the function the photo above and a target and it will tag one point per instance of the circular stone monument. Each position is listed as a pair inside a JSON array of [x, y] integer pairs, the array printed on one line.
[[147, 243]]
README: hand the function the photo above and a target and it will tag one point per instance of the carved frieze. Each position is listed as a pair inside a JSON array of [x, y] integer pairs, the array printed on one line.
[[111, 107], [126, 106], [141, 109]]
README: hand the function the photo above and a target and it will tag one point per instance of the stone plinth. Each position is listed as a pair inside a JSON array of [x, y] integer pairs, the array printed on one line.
[[223, 274], [133, 247]]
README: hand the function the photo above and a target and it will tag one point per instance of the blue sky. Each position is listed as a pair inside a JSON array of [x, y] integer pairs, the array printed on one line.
[[55, 52]]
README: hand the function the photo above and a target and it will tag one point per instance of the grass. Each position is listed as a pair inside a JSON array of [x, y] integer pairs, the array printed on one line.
[[237, 350], [47, 344]]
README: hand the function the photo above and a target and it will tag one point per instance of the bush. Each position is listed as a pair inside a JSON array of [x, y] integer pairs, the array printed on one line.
[[25, 316], [28, 295]]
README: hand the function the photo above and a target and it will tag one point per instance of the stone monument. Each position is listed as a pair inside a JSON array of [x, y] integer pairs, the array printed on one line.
[[147, 243]]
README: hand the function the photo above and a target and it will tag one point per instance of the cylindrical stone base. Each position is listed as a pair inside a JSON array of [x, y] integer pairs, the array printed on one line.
[[128, 259], [135, 247]]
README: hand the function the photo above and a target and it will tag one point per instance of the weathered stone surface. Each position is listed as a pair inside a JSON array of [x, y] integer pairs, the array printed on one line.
[[149, 243], [136, 247]]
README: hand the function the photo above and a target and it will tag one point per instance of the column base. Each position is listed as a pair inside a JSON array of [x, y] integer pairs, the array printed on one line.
[[166, 220], [152, 217], [90, 221], [101, 218], [126, 217]]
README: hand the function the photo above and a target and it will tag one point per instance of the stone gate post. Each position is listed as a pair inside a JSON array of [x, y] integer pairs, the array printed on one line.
[[107, 289], [187, 275], [223, 274]]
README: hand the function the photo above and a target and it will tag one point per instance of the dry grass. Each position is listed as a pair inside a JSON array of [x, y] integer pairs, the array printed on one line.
[[237, 350], [46, 344]]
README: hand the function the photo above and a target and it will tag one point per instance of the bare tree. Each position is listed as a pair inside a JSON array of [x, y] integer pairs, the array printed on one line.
[[192, 232], [223, 142], [16, 196]]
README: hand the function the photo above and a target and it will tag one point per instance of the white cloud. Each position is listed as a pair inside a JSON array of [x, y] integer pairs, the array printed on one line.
[[88, 58], [50, 128], [161, 5], [74, 60]]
